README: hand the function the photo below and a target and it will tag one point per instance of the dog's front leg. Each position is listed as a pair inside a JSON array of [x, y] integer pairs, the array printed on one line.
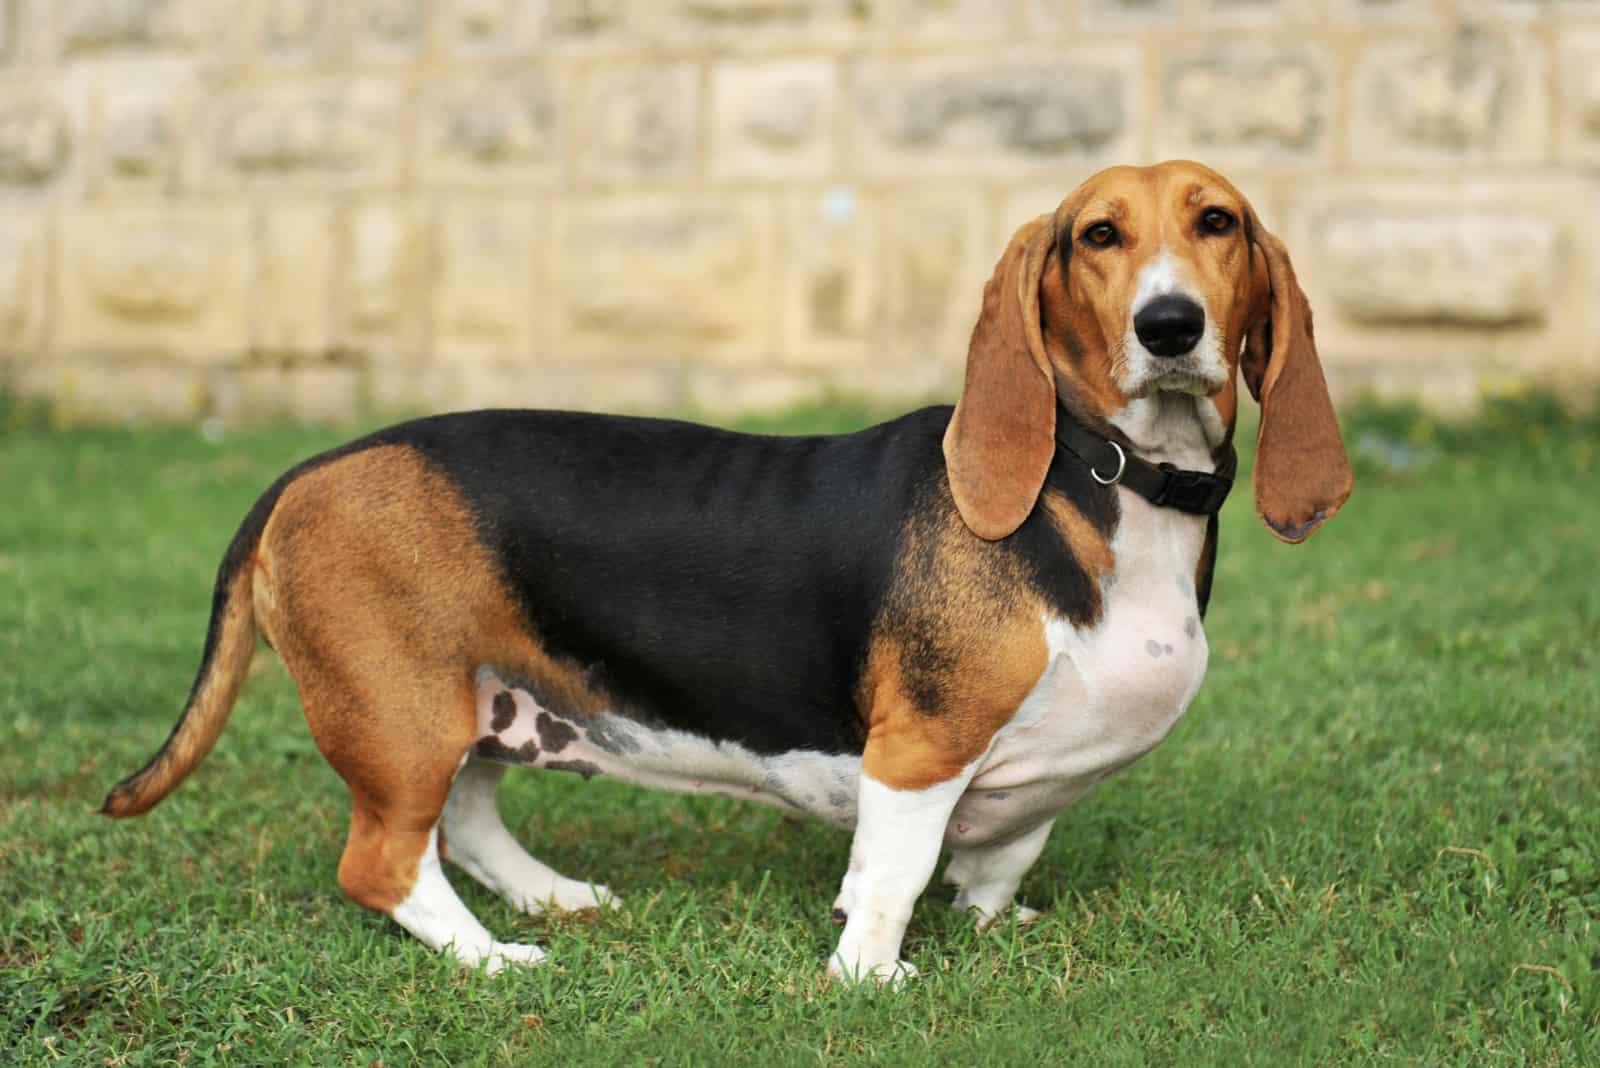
[[897, 841]]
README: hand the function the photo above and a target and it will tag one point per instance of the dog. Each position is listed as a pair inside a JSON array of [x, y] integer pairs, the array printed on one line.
[[935, 632]]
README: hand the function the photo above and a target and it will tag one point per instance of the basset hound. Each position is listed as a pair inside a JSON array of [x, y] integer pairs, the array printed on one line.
[[936, 632]]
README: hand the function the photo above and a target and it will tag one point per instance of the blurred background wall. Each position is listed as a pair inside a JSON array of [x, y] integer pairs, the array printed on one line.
[[213, 209]]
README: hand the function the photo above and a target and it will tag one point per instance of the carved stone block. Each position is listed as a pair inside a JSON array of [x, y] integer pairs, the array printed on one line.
[[489, 294], [35, 141], [832, 293], [1121, 14], [494, 28], [956, 20], [490, 130], [938, 253], [1248, 106], [774, 120], [87, 388], [1468, 97], [295, 279], [134, 147], [663, 277], [390, 30], [24, 249], [338, 132], [1483, 267], [1382, 12], [1497, 274], [160, 281], [754, 24], [93, 26], [638, 122], [961, 115], [1578, 121], [381, 281], [299, 31]]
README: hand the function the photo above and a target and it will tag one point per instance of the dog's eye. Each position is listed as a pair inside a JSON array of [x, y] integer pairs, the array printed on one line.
[[1217, 221], [1101, 235]]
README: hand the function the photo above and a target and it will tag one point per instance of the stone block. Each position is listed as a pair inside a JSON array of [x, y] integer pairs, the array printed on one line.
[[774, 120], [324, 132], [1382, 12], [90, 28], [156, 281], [86, 390], [964, 115], [36, 142], [381, 281], [294, 284], [753, 24], [638, 122], [388, 31], [494, 29], [1474, 96], [136, 132], [939, 252], [299, 32], [953, 20], [1493, 273], [1128, 14], [658, 276], [1247, 105], [490, 130], [489, 291], [832, 276], [24, 273], [1578, 108]]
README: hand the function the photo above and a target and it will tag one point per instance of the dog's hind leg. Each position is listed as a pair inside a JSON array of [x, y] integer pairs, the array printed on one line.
[[988, 876], [477, 840]]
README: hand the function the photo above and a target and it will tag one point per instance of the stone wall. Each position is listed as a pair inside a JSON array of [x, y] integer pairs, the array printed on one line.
[[295, 206]]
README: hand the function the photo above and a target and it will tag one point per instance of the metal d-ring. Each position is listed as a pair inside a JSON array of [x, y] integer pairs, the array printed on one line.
[[1122, 465]]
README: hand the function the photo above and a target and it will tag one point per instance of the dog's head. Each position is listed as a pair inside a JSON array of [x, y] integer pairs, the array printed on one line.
[[1144, 280]]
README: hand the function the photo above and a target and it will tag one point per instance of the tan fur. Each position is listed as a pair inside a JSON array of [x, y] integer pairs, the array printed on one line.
[[1302, 477], [372, 586], [962, 646]]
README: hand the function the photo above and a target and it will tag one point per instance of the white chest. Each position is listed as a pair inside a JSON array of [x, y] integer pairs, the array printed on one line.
[[1110, 693]]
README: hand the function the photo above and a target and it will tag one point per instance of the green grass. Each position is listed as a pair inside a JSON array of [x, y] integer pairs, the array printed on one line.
[[1373, 839]]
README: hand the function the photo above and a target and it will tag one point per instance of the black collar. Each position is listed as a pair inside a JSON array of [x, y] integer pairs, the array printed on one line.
[[1163, 485]]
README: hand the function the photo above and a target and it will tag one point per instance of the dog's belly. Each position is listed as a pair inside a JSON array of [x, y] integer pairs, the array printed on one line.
[[514, 728], [1108, 696]]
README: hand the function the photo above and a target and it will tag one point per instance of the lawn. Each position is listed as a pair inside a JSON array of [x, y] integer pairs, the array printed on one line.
[[1374, 838]]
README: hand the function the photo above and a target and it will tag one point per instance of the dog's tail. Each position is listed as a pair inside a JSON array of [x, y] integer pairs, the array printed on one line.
[[230, 643]]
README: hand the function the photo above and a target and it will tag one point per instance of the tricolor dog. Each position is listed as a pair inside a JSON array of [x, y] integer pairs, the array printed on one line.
[[936, 632]]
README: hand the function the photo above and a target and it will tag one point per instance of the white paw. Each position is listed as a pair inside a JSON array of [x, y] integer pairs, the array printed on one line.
[[887, 973], [503, 953], [571, 895], [1022, 915]]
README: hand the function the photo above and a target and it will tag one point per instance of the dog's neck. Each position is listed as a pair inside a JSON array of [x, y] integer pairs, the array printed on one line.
[[1176, 428]]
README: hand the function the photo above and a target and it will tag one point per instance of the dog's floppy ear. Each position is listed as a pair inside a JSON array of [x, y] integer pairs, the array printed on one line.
[[1302, 477], [1000, 441]]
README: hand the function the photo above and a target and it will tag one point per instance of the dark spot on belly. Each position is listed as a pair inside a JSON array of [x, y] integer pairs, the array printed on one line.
[[1190, 626], [554, 734], [1152, 647], [495, 749], [606, 736], [1167, 649], [505, 711], [580, 767], [999, 795], [840, 916], [839, 799]]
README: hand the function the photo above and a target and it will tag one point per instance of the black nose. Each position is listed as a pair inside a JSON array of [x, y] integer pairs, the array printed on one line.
[[1169, 325]]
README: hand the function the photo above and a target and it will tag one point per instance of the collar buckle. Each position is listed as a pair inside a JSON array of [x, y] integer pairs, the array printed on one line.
[[1197, 492]]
